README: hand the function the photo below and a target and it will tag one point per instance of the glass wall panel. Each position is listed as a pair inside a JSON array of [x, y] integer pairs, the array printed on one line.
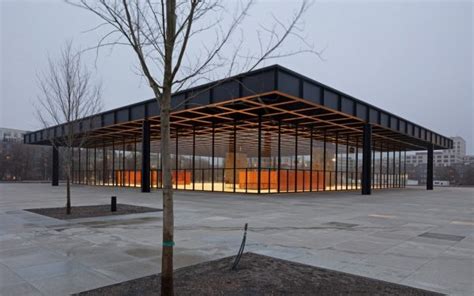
[[330, 179], [232, 163]]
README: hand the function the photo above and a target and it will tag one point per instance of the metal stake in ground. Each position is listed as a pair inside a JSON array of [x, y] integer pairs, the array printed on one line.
[[241, 250], [113, 204]]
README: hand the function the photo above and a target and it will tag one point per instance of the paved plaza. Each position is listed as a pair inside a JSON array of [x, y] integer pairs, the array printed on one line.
[[414, 237]]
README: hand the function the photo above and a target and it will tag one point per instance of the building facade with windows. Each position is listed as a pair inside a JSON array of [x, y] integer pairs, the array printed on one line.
[[271, 130], [11, 135], [446, 157]]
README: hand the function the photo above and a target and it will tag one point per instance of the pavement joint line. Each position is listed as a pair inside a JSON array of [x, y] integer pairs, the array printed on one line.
[[462, 223], [382, 216]]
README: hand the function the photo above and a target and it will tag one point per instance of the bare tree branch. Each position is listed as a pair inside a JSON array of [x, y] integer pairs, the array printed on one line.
[[66, 96]]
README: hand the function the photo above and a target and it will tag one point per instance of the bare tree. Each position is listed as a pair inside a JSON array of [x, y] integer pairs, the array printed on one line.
[[67, 95], [170, 40]]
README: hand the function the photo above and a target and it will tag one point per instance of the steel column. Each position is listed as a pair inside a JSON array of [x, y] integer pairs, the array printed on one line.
[[381, 166], [194, 157], [357, 163], [311, 161], [113, 163], [234, 169], [259, 154], [87, 166], [324, 160], [79, 165], [212, 152], [347, 162], [336, 164], [122, 175], [404, 168], [279, 155], [135, 163], [177, 159], [145, 178], [296, 158], [95, 165], [399, 168], [429, 168], [55, 167], [104, 165], [388, 167], [366, 159]]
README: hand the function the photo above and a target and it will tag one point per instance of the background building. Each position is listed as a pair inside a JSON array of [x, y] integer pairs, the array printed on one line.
[[19, 161], [11, 135], [451, 165], [446, 157]]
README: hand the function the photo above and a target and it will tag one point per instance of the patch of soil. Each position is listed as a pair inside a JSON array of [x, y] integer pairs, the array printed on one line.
[[91, 211], [258, 275]]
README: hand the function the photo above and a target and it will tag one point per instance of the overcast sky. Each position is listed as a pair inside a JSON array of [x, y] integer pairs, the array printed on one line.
[[412, 58]]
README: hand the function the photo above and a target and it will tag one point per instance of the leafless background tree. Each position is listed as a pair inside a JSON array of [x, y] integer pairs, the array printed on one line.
[[180, 43], [67, 94]]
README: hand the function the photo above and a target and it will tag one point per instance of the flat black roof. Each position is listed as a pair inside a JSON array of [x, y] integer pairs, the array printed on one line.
[[274, 91]]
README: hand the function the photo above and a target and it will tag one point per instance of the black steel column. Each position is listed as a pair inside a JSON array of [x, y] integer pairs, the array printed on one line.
[[373, 166], [381, 166], [311, 161], [394, 183], [55, 167], [212, 152], [279, 156], [135, 163], [73, 160], [429, 168], [336, 163], [366, 159], [145, 181], [405, 167], [357, 163], [259, 153], [123, 163], [177, 159], [234, 169], [347, 162], [324, 161], [104, 165], [79, 165], [194, 156], [95, 165], [399, 168], [296, 158], [87, 166], [388, 167], [113, 162]]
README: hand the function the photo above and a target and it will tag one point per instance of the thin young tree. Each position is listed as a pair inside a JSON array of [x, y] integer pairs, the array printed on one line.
[[178, 43], [67, 94]]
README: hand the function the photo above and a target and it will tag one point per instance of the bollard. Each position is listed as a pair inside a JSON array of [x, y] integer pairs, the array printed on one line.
[[113, 204]]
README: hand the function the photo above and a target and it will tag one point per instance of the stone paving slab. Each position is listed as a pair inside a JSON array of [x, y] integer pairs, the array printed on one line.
[[385, 244]]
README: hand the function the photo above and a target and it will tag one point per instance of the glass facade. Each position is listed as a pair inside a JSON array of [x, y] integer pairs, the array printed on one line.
[[245, 157]]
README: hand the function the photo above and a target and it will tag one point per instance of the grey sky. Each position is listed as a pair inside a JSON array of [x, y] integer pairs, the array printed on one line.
[[410, 58]]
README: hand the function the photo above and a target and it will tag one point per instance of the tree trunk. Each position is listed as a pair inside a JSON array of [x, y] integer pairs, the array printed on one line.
[[168, 216]]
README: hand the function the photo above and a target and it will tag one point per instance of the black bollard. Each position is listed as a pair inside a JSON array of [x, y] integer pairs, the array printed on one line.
[[113, 204]]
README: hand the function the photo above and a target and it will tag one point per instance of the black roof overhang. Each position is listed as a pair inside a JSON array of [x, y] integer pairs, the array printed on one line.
[[274, 92]]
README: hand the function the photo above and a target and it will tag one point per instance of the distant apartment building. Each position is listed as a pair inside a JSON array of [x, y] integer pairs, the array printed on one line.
[[443, 157], [11, 135], [468, 159]]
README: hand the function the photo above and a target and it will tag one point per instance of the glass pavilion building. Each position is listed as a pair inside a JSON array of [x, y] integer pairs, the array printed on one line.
[[266, 131]]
